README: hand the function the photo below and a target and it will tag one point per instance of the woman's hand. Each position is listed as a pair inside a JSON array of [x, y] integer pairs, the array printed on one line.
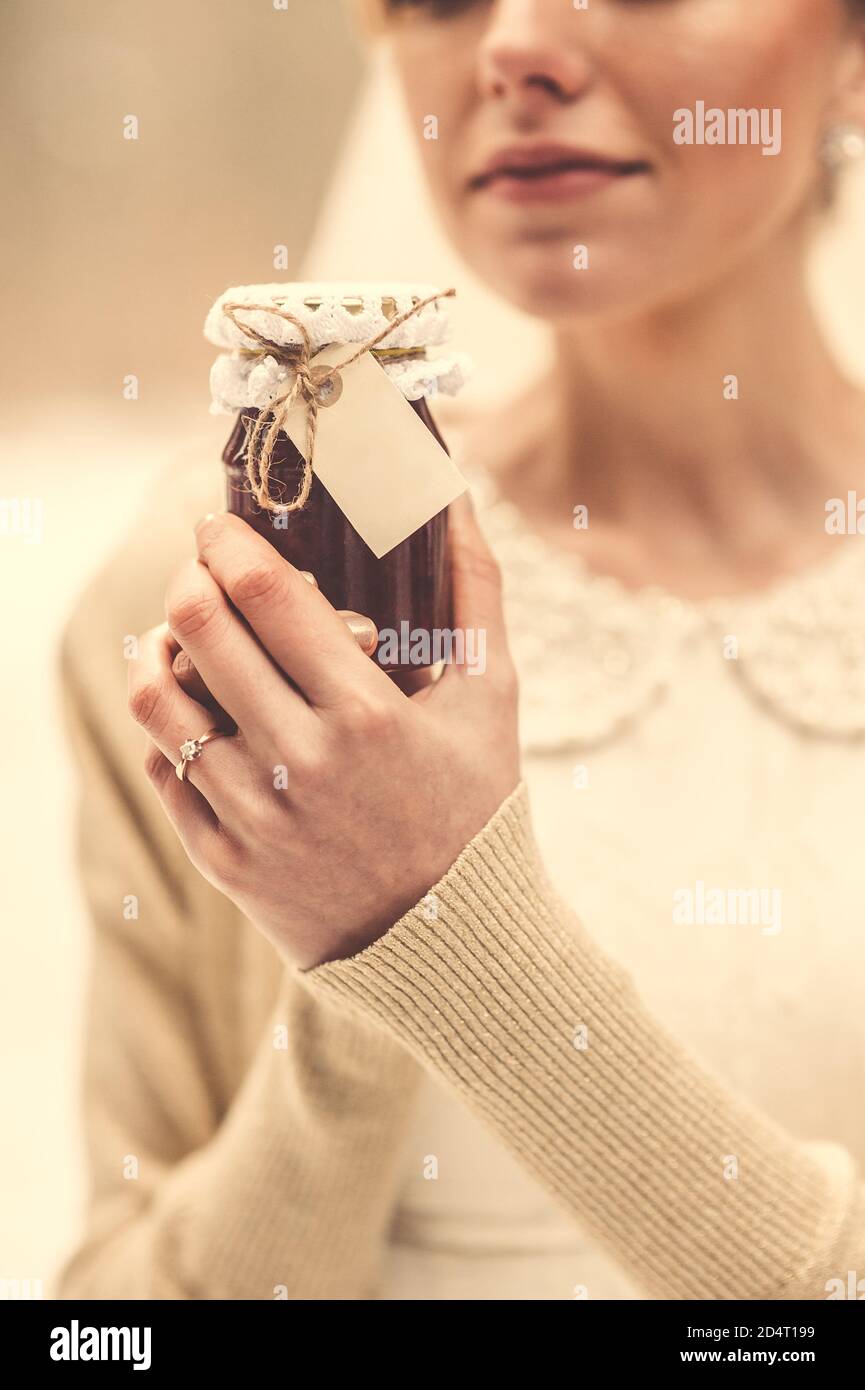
[[363, 630], [339, 801]]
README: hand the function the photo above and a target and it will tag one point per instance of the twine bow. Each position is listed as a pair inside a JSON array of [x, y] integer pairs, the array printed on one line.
[[312, 384]]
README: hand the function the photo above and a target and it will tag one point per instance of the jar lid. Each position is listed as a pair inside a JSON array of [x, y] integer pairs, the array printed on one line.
[[331, 312]]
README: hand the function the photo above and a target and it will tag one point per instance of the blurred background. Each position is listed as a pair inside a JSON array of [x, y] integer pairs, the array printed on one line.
[[266, 137]]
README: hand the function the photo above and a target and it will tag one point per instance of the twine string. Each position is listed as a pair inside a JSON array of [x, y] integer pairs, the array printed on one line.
[[305, 386]]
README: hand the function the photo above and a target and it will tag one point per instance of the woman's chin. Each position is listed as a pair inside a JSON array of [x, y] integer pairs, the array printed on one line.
[[604, 287]]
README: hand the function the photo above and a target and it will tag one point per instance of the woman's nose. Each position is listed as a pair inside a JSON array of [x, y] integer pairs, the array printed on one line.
[[533, 50]]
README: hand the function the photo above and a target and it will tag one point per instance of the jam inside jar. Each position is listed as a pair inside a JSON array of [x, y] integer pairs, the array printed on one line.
[[406, 591]]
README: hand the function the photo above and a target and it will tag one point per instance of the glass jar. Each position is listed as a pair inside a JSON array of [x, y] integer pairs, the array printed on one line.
[[410, 585], [408, 589]]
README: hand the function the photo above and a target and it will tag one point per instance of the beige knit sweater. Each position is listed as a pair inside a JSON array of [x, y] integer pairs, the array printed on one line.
[[244, 1119]]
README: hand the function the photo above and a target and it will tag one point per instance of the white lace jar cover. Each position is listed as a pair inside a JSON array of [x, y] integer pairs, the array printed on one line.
[[331, 312]]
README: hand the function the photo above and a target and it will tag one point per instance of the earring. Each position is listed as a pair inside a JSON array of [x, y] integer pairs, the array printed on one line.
[[842, 144]]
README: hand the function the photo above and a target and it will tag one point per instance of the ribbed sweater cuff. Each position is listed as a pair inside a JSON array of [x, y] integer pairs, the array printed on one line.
[[497, 988]]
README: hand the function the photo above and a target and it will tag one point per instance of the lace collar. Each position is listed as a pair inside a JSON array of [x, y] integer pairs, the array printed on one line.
[[593, 655]]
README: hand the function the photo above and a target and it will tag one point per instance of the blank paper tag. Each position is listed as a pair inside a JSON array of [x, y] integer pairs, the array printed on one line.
[[379, 462]]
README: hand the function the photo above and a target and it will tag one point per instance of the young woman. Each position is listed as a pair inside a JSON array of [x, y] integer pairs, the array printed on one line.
[[564, 1003]]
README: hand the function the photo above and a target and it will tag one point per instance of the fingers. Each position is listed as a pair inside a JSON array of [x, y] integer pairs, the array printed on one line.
[[189, 680], [293, 621], [170, 717], [193, 819], [363, 630], [229, 660]]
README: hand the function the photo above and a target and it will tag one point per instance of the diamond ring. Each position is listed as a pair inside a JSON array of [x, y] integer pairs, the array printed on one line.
[[191, 748]]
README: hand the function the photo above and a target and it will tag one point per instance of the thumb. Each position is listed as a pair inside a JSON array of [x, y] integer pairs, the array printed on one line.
[[477, 585]]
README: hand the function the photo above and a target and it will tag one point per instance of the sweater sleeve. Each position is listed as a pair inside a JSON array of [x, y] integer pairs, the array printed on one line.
[[208, 1178], [502, 993]]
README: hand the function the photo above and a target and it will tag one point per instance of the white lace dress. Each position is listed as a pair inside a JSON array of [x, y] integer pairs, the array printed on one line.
[[697, 773]]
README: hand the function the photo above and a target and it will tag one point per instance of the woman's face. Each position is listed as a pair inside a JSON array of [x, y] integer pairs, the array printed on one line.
[[545, 127]]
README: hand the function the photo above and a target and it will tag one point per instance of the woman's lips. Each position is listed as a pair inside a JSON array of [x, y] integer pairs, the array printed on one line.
[[547, 177], [551, 187]]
